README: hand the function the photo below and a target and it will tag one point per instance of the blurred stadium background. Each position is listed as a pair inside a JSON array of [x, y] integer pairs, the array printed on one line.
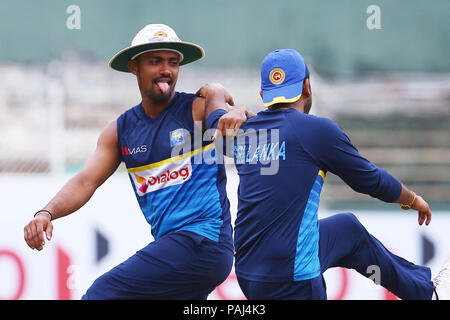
[[388, 88]]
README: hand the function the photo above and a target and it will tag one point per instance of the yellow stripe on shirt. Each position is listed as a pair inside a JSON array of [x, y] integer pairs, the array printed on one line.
[[322, 174], [173, 159]]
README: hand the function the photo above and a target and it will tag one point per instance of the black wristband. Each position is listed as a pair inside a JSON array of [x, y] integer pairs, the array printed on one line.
[[51, 217]]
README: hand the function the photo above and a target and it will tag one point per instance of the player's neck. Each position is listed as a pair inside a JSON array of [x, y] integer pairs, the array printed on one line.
[[154, 107], [298, 105]]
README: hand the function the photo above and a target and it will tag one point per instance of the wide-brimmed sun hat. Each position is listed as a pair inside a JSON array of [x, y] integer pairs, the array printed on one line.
[[156, 37]]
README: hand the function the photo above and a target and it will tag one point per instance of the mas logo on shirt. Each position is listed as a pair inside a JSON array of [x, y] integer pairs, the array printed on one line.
[[176, 137], [126, 151]]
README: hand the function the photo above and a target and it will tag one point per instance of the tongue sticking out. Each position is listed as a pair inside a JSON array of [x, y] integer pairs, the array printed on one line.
[[163, 86]]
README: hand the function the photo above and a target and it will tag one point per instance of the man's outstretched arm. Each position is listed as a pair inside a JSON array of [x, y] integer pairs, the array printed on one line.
[[78, 190], [216, 97], [334, 152]]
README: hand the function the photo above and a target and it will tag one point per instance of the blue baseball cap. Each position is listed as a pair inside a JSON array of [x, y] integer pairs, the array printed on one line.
[[282, 74]]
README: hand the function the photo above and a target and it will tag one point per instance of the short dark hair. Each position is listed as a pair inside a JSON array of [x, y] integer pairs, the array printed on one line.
[[281, 105]]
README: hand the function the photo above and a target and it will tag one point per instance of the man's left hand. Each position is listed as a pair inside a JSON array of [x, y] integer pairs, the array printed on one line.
[[230, 122]]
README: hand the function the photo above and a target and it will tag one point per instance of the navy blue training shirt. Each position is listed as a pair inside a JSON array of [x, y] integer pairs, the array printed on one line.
[[177, 181], [282, 157]]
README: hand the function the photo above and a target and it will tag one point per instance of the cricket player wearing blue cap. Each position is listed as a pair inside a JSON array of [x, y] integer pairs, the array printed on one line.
[[282, 156]]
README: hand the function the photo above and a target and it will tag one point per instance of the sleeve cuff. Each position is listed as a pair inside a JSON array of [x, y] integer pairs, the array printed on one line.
[[213, 118]]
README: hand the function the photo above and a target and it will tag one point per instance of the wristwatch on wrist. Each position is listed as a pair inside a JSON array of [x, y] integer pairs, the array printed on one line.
[[407, 206]]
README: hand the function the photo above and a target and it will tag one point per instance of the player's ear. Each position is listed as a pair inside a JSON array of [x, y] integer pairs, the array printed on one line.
[[260, 93], [306, 92], [132, 66]]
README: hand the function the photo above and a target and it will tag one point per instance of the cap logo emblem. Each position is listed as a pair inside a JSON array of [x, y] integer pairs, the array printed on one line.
[[276, 76], [160, 34]]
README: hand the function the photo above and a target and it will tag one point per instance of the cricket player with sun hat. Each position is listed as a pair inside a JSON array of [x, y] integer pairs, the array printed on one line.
[[183, 199], [282, 248]]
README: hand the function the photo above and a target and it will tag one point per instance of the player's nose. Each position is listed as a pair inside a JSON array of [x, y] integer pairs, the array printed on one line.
[[165, 70]]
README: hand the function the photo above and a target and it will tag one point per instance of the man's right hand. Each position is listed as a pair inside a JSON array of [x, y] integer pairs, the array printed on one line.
[[409, 200], [230, 123], [34, 231], [79, 189], [423, 209], [216, 88]]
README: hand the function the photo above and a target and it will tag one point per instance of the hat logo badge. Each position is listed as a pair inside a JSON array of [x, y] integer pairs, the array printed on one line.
[[160, 34], [277, 76]]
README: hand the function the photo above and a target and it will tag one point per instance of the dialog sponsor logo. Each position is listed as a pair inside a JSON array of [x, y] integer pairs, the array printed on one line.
[[162, 177]]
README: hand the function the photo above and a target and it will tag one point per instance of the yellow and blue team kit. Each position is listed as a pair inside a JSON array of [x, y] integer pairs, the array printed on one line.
[[181, 190], [282, 248]]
